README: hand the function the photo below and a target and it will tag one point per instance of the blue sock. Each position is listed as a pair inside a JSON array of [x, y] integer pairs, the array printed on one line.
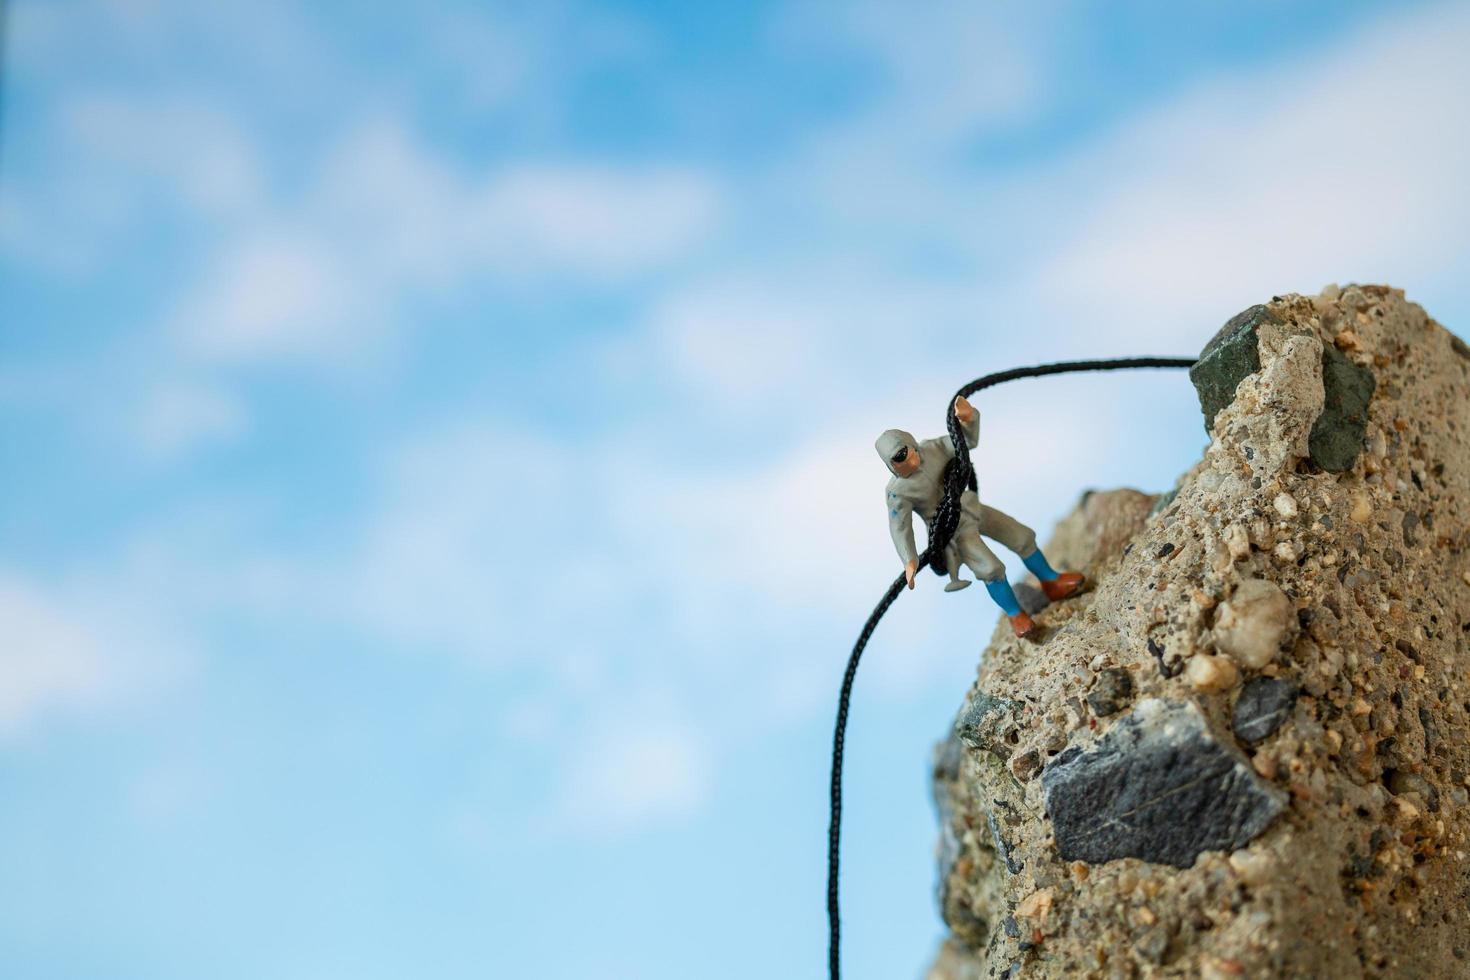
[[1036, 563], [1000, 590]]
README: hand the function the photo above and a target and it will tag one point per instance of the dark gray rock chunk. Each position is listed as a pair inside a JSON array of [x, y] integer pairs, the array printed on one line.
[[1158, 786], [1264, 703], [1111, 692], [1031, 599], [983, 722], [1227, 359], [1337, 435]]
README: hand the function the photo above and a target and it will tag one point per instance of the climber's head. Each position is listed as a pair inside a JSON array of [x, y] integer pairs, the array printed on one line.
[[899, 451]]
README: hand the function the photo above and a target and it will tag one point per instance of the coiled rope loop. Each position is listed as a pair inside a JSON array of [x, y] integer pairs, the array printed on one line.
[[958, 474]]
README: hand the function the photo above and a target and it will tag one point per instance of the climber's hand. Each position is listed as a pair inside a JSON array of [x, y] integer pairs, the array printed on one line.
[[909, 568], [963, 410]]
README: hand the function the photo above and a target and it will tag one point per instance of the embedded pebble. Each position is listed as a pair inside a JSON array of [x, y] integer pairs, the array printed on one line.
[[1111, 692], [1254, 622], [1263, 705], [1208, 673], [1362, 511]]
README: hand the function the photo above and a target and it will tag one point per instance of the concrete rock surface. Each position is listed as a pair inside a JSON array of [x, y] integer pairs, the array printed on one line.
[[1243, 752]]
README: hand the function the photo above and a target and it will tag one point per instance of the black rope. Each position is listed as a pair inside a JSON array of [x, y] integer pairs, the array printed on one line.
[[958, 474]]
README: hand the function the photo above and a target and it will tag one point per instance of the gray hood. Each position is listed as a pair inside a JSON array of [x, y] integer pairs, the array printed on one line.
[[889, 442]]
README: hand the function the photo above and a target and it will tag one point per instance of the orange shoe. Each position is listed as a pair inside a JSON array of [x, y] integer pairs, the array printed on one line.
[[1023, 625], [1064, 586]]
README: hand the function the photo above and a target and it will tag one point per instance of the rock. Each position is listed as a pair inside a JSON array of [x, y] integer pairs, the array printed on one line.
[[1154, 943], [955, 961], [1031, 599], [954, 846], [1337, 435], [1264, 703], [1036, 905], [1268, 426], [1362, 510], [1094, 535], [948, 756], [1003, 844], [1208, 674], [1165, 499], [1026, 765], [1254, 623], [1227, 359], [1402, 783], [1111, 692], [981, 725], [1313, 617], [1158, 786]]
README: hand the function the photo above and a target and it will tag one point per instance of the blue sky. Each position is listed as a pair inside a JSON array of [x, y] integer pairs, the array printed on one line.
[[440, 494]]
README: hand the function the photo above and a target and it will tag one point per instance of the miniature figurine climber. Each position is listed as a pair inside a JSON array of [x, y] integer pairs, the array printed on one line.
[[918, 485]]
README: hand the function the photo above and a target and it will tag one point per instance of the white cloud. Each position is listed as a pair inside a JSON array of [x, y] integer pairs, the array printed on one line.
[[491, 544], [49, 661], [394, 201], [192, 147], [276, 296], [387, 218], [597, 222], [634, 773], [947, 70], [735, 340], [1340, 166], [176, 418], [73, 652]]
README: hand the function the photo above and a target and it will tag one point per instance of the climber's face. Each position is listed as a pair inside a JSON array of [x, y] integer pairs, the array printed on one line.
[[905, 461]]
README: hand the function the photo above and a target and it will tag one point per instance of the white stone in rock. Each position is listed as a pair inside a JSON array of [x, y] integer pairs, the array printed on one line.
[[1209, 673], [1253, 623]]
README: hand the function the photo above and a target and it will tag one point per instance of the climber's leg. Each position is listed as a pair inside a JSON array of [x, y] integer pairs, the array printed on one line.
[[1022, 540], [992, 571]]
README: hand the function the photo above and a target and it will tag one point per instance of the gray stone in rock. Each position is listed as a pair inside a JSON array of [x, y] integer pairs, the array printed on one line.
[[1165, 499], [1227, 359], [1154, 943], [1111, 692], [1264, 703], [1401, 782], [1337, 435], [981, 721], [1158, 786], [1004, 849], [1431, 731], [948, 755], [1031, 599]]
